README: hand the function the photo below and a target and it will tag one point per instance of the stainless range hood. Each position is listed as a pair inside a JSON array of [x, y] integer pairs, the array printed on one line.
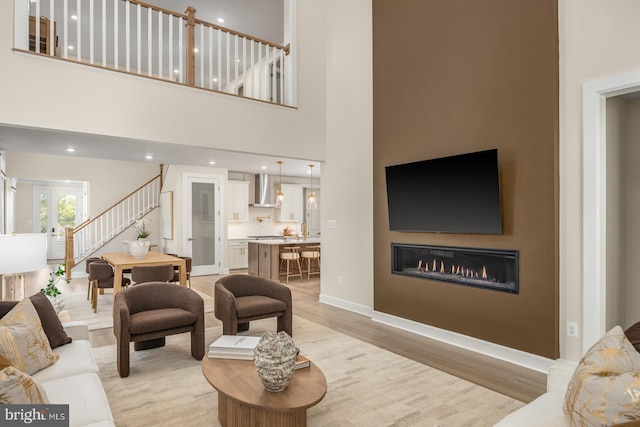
[[264, 196]]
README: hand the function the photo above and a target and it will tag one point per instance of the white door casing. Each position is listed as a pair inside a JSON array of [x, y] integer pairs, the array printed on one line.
[[202, 205]]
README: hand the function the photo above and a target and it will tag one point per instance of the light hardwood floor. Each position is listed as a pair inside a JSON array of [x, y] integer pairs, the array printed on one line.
[[506, 378]]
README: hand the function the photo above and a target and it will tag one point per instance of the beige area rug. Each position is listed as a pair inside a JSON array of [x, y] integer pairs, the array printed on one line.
[[79, 308], [367, 386]]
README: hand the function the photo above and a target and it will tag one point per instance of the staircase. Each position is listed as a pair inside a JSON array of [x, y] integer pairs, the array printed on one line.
[[87, 238]]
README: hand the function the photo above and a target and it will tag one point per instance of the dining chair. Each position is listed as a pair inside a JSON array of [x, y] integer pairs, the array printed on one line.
[[101, 277], [151, 273]]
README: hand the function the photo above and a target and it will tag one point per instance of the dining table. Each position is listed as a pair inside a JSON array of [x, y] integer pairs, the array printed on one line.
[[121, 261]]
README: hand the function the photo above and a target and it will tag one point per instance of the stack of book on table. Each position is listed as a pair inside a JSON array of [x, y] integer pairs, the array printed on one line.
[[233, 347]]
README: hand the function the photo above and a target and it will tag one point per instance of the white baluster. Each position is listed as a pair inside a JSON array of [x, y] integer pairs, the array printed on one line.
[[52, 36], [115, 34], [253, 72], [91, 30], [219, 33], [104, 34], [149, 42], [139, 37], [210, 46], [170, 41], [180, 48], [160, 44], [78, 27], [200, 55], [127, 43], [65, 29], [228, 37]]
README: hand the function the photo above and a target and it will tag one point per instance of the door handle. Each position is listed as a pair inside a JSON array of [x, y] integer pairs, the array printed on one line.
[[190, 239]]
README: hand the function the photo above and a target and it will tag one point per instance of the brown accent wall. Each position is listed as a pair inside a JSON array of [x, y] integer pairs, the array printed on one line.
[[453, 77]]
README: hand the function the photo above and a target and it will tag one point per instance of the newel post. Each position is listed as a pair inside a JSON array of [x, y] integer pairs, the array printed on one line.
[[191, 55], [68, 251]]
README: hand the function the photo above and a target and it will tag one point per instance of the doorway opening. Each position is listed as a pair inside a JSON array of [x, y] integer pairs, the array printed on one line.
[[57, 206]]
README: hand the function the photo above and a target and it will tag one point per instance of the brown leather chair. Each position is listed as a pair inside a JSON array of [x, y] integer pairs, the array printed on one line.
[[240, 298], [151, 273], [146, 313]]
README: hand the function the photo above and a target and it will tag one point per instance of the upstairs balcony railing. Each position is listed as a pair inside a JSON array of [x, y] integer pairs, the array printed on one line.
[[139, 38]]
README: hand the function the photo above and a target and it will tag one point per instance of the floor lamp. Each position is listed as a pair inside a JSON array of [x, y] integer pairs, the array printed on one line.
[[19, 254]]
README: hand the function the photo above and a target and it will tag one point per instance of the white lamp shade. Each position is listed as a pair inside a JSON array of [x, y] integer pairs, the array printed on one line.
[[22, 253]]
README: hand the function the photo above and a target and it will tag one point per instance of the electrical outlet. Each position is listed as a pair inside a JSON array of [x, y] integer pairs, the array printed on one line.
[[572, 329], [340, 280]]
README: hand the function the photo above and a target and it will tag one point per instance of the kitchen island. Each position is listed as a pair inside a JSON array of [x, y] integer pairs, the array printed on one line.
[[264, 254]]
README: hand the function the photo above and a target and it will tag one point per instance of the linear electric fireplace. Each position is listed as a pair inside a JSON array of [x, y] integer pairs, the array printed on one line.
[[494, 269]]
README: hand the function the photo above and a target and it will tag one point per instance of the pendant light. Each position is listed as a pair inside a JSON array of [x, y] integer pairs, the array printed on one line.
[[312, 203], [280, 195]]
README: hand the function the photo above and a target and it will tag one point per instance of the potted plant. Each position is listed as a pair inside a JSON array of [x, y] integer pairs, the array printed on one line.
[[141, 227], [51, 291]]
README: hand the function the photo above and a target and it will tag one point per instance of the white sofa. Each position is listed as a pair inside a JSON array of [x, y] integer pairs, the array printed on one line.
[[546, 410], [74, 380]]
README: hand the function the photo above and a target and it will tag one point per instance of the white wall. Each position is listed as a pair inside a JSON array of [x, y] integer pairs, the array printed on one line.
[[615, 212], [630, 159], [598, 38], [347, 176]]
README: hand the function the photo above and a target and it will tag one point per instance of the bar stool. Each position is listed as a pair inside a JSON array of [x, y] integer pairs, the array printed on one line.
[[289, 257], [310, 254]]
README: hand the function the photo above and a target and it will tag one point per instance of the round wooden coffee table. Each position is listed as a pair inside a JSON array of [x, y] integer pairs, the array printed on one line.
[[243, 400]]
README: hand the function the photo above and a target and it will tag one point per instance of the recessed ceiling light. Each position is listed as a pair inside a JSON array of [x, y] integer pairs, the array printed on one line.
[[74, 17], [215, 80], [237, 60], [263, 167], [71, 150], [148, 157], [212, 162], [70, 47], [176, 71], [220, 20], [195, 49]]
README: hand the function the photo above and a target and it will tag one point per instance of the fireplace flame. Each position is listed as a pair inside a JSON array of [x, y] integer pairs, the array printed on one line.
[[420, 265], [441, 267], [434, 265], [484, 272]]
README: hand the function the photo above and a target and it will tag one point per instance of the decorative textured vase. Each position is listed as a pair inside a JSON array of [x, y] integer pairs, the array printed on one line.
[[57, 302], [139, 249], [275, 358]]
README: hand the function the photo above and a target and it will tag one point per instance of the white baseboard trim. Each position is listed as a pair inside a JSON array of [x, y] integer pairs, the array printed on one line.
[[346, 305], [497, 351]]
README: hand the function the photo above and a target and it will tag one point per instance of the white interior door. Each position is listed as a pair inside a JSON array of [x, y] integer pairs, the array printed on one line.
[[54, 210], [202, 219]]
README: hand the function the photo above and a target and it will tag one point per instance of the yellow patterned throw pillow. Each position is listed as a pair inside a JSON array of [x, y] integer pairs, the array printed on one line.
[[605, 387], [19, 388], [23, 343]]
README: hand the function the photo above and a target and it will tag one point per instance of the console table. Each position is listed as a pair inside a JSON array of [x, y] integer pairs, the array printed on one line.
[[243, 400]]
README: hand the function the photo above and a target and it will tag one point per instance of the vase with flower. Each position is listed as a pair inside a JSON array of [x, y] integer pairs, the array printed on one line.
[[141, 227]]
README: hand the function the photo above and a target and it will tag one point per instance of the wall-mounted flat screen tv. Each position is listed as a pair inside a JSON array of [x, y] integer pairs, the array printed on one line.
[[456, 194]]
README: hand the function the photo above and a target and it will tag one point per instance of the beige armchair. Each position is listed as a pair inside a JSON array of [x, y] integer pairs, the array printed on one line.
[[146, 313], [240, 298]]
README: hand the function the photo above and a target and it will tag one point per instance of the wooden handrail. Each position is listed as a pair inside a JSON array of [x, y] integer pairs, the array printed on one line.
[[84, 224], [286, 48], [185, 16]]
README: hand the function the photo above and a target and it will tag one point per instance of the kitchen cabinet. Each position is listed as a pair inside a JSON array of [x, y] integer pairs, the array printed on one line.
[[291, 209], [264, 255], [238, 201], [238, 254]]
